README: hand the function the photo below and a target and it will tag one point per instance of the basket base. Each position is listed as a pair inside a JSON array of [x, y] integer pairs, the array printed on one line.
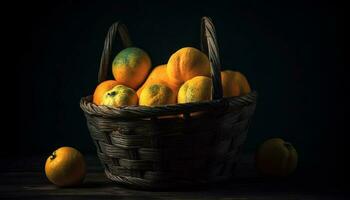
[[142, 184]]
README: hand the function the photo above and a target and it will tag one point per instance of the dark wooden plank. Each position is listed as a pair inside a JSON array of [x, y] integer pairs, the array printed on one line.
[[20, 183], [35, 185]]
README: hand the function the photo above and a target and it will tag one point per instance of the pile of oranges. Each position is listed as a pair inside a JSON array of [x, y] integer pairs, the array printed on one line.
[[184, 78]]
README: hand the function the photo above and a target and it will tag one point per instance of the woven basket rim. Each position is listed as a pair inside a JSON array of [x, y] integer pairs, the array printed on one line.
[[162, 110]]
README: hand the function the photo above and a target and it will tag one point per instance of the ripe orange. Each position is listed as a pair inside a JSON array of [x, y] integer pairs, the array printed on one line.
[[101, 89], [65, 167], [234, 83], [187, 63], [131, 66], [157, 94], [275, 157], [159, 76], [195, 89], [118, 96]]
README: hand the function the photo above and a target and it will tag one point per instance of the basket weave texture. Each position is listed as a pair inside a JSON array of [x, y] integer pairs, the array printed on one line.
[[165, 146]]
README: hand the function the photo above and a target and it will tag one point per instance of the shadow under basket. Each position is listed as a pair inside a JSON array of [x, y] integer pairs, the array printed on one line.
[[170, 146]]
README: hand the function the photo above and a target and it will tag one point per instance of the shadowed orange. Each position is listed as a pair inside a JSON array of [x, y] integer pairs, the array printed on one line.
[[234, 84], [159, 76]]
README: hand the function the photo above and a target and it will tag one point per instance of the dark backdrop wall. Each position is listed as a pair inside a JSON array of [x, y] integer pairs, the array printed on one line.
[[287, 50]]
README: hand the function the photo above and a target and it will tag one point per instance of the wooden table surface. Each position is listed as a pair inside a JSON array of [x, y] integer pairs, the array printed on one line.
[[24, 178]]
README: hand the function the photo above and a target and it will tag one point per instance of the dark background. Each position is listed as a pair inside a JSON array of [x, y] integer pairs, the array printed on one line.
[[288, 50]]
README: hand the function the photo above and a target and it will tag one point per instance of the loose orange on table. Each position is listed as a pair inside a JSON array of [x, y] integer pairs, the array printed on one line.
[[65, 167], [275, 157]]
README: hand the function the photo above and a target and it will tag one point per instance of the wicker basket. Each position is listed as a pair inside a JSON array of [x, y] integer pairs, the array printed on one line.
[[139, 148]]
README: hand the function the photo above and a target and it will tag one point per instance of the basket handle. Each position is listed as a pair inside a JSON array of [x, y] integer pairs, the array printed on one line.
[[116, 29], [210, 47]]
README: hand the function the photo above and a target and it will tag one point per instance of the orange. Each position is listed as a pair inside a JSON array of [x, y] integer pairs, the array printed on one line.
[[101, 89], [160, 76], [118, 96], [194, 90], [275, 157], [131, 66], [234, 83], [65, 167], [157, 94], [187, 63]]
